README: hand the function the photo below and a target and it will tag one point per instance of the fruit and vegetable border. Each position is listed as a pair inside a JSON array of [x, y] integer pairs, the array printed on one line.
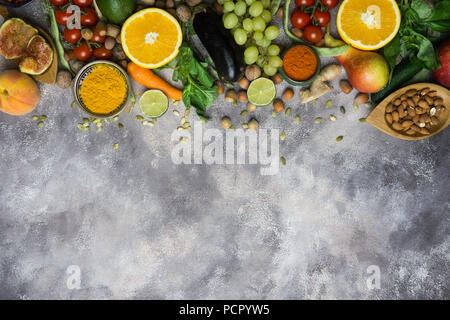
[[231, 48]]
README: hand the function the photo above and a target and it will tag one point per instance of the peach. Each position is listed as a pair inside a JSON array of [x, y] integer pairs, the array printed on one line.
[[19, 93]]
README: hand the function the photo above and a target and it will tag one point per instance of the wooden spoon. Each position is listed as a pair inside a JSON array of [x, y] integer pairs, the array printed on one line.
[[377, 117]]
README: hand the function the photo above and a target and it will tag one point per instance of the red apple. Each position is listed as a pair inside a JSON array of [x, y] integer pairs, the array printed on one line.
[[442, 75]]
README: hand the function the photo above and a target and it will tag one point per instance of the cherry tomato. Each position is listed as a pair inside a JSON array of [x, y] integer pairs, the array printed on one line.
[[59, 3], [323, 18], [330, 3], [306, 3], [89, 18], [62, 17], [96, 37], [73, 35], [83, 3], [102, 53], [313, 34], [300, 19], [83, 52]]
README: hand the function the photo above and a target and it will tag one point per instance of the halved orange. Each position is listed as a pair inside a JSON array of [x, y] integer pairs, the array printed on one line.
[[368, 24], [151, 38]]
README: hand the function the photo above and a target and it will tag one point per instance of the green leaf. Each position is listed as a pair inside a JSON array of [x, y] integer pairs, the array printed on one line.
[[440, 18], [391, 53], [422, 8]]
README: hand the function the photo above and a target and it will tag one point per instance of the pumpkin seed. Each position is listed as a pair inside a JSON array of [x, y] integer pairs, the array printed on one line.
[[183, 120], [99, 124], [186, 124], [333, 117], [85, 121], [368, 105], [342, 110], [180, 128], [274, 114], [115, 119], [329, 103], [139, 118], [176, 102], [355, 107], [232, 127], [176, 113], [99, 129], [121, 126], [244, 113], [187, 128], [203, 120], [283, 161], [297, 119], [283, 136], [107, 121], [363, 120], [339, 139], [115, 146], [288, 112], [40, 124], [73, 104], [43, 118], [183, 139], [245, 125], [318, 120], [34, 118], [150, 124]]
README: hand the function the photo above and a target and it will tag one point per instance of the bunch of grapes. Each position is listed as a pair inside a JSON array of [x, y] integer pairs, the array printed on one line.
[[248, 21]]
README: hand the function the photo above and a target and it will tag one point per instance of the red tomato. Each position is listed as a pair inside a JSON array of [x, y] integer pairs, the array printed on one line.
[[83, 3], [102, 53], [89, 18], [306, 3], [330, 3], [96, 37], [73, 35], [313, 34], [83, 52], [323, 18], [300, 19], [59, 2], [62, 17]]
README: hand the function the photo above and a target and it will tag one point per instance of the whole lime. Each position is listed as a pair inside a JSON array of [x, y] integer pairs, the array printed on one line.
[[116, 11]]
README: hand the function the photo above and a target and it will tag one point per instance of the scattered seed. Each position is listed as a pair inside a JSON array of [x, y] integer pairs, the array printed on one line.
[[339, 139], [329, 103], [187, 112], [288, 112], [363, 120], [342, 110], [232, 128], [368, 105], [176, 102], [297, 119], [150, 124], [121, 126], [187, 128], [107, 121], [186, 124], [98, 124], [99, 129], [73, 104], [139, 118], [115, 146], [203, 120], [355, 107], [283, 161], [183, 139], [283, 136], [43, 118], [115, 119], [274, 114], [80, 126], [34, 118], [40, 124], [183, 120], [180, 128], [251, 107], [244, 113], [176, 113], [245, 125], [333, 117], [318, 120]]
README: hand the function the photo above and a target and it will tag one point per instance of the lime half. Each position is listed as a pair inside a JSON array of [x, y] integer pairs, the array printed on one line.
[[261, 92], [153, 103]]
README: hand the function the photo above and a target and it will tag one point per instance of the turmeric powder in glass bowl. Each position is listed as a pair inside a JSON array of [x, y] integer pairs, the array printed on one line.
[[301, 65], [102, 89]]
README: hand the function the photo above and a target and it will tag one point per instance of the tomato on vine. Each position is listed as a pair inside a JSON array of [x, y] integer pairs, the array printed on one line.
[[306, 3], [322, 17], [89, 17], [83, 52], [83, 3], [330, 3], [313, 33], [300, 19], [72, 36], [62, 17], [102, 53], [97, 38], [59, 3]]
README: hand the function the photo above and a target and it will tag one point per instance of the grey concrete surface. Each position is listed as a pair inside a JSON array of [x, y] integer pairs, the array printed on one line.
[[139, 226]]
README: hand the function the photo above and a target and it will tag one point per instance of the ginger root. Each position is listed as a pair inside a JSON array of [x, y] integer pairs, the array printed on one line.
[[320, 85]]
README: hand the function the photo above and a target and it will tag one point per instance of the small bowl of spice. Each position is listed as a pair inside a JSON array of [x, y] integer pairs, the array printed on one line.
[[102, 89], [301, 65]]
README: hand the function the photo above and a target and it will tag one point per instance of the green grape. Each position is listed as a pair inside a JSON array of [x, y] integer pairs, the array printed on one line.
[[275, 62], [266, 3], [230, 20], [258, 35], [259, 24], [264, 42], [221, 1], [269, 70], [247, 24], [249, 2], [256, 9], [273, 50], [240, 36], [240, 8], [228, 6], [266, 15], [251, 55], [261, 61], [272, 32]]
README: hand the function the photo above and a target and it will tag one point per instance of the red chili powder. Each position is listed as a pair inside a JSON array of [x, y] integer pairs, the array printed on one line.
[[300, 63]]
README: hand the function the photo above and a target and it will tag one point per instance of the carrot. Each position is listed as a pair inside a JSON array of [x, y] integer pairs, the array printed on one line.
[[150, 80]]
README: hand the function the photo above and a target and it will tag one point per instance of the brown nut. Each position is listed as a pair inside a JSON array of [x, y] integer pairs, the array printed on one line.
[[424, 131], [424, 91], [411, 92], [395, 116], [432, 93], [407, 124], [389, 118], [288, 95], [278, 105], [411, 112], [410, 132], [397, 102], [434, 121], [397, 126], [389, 108], [346, 86], [361, 98], [416, 99], [438, 101], [416, 119], [415, 128], [403, 97], [242, 96], [244, 83]]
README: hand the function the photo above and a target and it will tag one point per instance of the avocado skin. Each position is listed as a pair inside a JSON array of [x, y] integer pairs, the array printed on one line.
[[116, 11]]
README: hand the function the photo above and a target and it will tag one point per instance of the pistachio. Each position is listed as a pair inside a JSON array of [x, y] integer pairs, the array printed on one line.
[[283, 136], [329, 104], [288, 112], [176, 113], [318, 120], [297, 119], [34, 118], [283, 161], [363, 120], [73, 104], [121, 126], [333, 117], [244, 113], [40, 124], [342, 110], [339, 139]]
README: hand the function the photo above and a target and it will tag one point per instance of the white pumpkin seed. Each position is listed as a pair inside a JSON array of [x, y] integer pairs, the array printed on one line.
[[288, 112], [333, 117], [176, 113], [318, 120]]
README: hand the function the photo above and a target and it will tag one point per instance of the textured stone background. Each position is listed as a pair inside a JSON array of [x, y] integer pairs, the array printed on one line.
[[139, 226]]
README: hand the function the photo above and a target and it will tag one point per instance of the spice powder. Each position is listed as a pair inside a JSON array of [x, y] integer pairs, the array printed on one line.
[[300, 63]]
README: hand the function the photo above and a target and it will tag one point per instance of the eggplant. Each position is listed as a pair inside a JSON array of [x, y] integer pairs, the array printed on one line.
[[227, 56]]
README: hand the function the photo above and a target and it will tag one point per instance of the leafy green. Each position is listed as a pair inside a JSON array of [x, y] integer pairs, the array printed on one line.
[[440, 17], [199, 89]]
